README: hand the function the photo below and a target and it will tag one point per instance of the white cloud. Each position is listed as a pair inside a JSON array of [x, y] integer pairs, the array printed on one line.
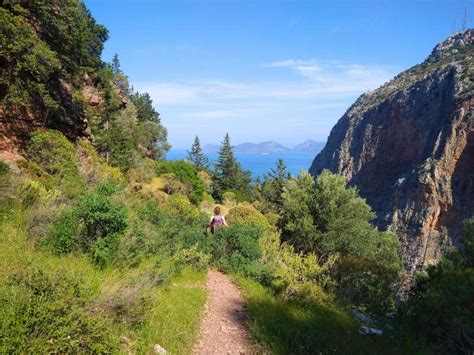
[[310, 102]]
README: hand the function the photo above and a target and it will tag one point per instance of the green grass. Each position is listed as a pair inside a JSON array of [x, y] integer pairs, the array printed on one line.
[[295, 328], [66, 304], [174, 320]]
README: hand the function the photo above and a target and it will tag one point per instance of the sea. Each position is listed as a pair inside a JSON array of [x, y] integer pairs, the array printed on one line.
[[260, 164]]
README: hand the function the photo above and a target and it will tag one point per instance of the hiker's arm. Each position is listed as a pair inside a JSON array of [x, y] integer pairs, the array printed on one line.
[[223, 220], [210, 222]]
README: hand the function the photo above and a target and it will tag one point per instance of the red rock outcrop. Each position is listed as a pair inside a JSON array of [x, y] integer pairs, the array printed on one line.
[[409, 148]]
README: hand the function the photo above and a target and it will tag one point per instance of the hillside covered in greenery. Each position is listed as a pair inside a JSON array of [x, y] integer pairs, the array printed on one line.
[[103, 243]]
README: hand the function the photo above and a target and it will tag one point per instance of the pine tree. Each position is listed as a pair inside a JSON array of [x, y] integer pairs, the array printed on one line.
[[197, 157], [273, 184], [279, 173], [228, 174], [119, 78], [115, 65]]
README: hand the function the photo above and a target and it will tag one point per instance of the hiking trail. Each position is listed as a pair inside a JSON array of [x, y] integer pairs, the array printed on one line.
[[223, 329]]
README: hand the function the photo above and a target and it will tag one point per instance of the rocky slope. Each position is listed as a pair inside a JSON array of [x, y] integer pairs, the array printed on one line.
[[47, 74], [409, 148]]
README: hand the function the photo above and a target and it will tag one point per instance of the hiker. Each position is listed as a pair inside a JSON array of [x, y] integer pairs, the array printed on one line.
[[216, 221]]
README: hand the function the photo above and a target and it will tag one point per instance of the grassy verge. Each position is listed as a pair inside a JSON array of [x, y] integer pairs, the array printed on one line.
[[66, 304], [174, 319], [295, 328]]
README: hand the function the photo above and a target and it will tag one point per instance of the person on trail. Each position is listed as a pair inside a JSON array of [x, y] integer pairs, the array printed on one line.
[[217, 221]]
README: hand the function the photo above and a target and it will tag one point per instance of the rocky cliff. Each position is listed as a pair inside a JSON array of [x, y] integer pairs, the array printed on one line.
[[409, 148]]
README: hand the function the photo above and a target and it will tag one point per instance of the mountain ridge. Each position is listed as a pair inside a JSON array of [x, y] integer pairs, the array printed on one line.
[[268, 147]]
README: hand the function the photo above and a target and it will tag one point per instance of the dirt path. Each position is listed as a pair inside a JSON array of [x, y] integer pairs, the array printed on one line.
[[223, 328]]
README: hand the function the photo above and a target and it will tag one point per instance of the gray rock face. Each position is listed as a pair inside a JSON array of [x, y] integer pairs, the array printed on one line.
[[409, 148]]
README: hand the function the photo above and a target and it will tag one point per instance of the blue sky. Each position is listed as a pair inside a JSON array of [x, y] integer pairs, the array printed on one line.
[[267, 70]]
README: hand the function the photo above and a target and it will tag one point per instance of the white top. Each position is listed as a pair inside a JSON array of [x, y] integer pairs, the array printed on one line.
[[223, 219]]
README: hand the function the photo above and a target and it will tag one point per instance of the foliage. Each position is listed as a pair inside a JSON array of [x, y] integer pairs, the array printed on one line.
[[77, 46], [271, 190], [247, 215], [197, 157], [94, 224], [228, 174], [236, 248], [440, 306], [42, 312], [320, 327], [31, 192], [181, 208], [100, 218], [173, 185], [93, 167], [187, 174], [27, 63], [152, 134], [53, 152], [122, 139], [4, 168], [328, 219]]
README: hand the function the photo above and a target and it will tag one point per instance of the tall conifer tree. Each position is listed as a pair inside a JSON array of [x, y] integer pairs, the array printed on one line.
[[228, 174], [197, 157]]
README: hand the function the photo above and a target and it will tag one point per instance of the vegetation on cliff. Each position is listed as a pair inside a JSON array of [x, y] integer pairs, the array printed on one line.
[[102, 242]]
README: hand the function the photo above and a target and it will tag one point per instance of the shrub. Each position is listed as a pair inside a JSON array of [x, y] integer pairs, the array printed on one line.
[[182, 209], [104, 250], [4, 168], [229, 198], [294, 274], [144, 172], [183, 258], [93, 167], [207, 203], [440, 306], [236, 247], [206, 180], [31, 192], [53, 152], [187, 174], [173, 185], [43, 311], [62, 236], [247, 215], [100, 218], [326, 218]]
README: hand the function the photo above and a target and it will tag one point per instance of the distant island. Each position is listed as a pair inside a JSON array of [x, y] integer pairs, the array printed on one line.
[[269, 147]]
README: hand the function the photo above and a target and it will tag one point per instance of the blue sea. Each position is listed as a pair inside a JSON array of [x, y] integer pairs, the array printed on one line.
[[260, 164]]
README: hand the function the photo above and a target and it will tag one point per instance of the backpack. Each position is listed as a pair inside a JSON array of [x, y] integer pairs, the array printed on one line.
[[217, 222]]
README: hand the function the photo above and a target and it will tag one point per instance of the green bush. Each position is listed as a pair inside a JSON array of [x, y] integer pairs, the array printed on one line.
[[440, 307], [62, 236], [27, 63], [294, 275], [180, 208], [4, 168], [327, 218], [100, 217], [53, 152], [94, 224], [187, 173], [43, 311], [234, 248]]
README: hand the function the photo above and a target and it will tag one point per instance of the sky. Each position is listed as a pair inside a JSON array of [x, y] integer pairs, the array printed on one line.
[[267, 70]]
